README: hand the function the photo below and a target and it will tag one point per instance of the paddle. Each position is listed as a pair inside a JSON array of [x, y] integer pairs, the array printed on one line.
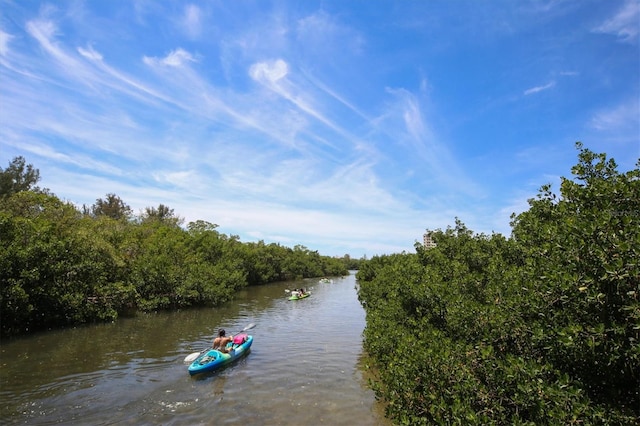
[[192, 357]]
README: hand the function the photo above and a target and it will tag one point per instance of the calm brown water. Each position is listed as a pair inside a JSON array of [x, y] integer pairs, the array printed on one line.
[[304, 367]]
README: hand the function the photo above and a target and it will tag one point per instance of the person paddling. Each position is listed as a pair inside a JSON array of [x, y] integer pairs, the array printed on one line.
[[220, 342]]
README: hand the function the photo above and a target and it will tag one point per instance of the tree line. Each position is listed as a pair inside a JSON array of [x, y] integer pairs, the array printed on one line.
[[542, 327], [61, 265]]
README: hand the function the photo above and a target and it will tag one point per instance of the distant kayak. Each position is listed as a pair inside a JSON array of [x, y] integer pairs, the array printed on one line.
[[213, 359], [325, 281], [298, 296]]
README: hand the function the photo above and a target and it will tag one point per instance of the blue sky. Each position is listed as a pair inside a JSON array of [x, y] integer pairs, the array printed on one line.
[[348, 127]]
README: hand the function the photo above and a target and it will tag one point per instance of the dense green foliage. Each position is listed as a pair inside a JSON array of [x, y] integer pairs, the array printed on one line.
[[539, 328], [19, 176], [63, 266], [352, 263]]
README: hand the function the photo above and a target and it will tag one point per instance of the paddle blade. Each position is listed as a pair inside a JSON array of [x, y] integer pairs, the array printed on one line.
[[191, 357], [249, 327], [286, 290]]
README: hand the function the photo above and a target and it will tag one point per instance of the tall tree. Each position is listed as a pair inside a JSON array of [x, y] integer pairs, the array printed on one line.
[[19, 176], [112, 206], [162, 214]]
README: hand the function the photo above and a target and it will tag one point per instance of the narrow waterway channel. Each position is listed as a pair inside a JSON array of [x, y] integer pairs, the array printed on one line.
[[304, 368]]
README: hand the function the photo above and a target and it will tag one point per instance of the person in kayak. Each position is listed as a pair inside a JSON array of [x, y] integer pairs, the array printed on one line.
[[220, 342]]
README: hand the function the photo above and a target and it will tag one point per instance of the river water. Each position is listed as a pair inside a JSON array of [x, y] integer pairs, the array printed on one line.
[[305, 366]]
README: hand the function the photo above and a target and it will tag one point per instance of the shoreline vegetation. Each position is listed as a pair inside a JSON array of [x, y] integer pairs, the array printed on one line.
[[539, 328], [63, 266]]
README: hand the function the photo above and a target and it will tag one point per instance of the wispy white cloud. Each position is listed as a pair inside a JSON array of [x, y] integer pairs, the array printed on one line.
[[175, 58], [625, 24], [5, 38], [538, 89], [73, 70], [179, 179], [77, 159], [45, 31], [322, 31], [420, 147], [90, 54], [269, 72], [273, 75], [620, 117], [340, 98], [191, 21]]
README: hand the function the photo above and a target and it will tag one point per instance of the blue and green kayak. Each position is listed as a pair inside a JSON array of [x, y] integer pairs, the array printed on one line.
[[213, 359]]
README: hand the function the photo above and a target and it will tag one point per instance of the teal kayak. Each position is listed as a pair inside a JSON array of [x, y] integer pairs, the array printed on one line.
[[213, 359]]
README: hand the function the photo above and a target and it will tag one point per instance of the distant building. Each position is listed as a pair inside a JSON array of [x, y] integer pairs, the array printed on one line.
[[428, 241]]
